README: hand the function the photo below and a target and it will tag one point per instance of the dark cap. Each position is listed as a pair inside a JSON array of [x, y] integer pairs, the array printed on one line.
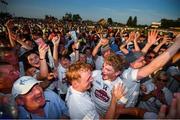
[[133, 56], [105, 48]]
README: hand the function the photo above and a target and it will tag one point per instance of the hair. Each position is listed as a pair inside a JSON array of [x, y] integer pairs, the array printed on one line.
[[115, 61], [6, 49], [159, 75], [25, 58], [65, 56], [73, 72], [2, 63]]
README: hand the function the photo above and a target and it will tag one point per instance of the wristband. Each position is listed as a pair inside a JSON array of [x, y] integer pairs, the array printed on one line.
[[41, 58]]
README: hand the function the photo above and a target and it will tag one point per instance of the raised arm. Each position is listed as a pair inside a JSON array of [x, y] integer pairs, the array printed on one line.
[[156, 49], [43, 64], [102, 42], [55, 41], [76, 51], [152, 38], [12, 37], [159, 61], [122, 47], [136, 46], [117, 93]]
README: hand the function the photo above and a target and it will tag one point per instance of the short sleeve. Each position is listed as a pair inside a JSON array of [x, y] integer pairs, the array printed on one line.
[[130, 74]]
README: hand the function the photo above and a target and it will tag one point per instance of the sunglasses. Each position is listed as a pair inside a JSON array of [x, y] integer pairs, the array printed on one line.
[[162, 80]]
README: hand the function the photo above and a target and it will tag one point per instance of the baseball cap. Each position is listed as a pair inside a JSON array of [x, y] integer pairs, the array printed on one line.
[[133, 56], [23, 85]]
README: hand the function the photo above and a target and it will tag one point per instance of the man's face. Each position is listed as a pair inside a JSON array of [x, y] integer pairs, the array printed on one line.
[[82, 57], [65, 62], [33, 60], [10, 57], [106, 53], [8, 75], [108, 72], [85, 80], [34, 99]]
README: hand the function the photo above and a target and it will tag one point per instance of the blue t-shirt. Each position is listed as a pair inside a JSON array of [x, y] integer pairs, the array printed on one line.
[[54, 108]]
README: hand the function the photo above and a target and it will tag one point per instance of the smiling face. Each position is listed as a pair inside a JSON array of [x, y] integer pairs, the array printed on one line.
[[79, 75], [33, 60], [108, 72], [85, 80], [65, 62], [34, 99]]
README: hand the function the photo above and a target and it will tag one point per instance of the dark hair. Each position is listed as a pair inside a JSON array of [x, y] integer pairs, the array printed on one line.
[[25, 60]]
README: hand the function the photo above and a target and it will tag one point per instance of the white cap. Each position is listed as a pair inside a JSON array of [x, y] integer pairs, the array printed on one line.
[[23, 85]]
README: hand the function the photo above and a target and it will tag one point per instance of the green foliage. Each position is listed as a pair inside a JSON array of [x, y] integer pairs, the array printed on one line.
[[132, 22], [110, 21], [165, 23]]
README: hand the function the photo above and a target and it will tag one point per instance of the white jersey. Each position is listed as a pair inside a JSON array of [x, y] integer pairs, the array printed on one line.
[[102, 89], [80, 105], [99, 62], [61, 84]]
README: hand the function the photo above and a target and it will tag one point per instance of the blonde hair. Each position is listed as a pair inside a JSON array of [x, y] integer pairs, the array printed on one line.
[[74, 70], [115, 61]]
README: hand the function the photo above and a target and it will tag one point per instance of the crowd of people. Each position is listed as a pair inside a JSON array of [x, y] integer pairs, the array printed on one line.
[[65, 70]]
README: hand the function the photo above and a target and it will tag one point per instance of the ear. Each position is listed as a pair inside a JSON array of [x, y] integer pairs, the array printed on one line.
[[118, 73], [75, 84], [19, 101]]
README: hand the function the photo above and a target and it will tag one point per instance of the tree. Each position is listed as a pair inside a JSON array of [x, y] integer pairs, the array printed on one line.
[[134, 22], [129, 21], [67, 17], [76, 18], [110, 21]]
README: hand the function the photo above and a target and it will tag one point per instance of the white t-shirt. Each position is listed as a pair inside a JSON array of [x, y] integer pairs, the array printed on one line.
[[60, 84], [99, 62], [102, 89], [80, 105]]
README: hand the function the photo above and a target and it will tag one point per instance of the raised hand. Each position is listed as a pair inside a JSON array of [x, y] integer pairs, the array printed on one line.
[[103, 41], [43, 48], [152, 36], [118, 91], [56, 40], [9, 23], [137, 35], [131, 36]]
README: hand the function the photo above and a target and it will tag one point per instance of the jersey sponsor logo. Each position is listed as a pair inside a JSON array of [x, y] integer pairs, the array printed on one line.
[[102, 95]]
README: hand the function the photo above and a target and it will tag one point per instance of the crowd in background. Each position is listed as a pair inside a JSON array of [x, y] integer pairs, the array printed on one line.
[[70, 70]]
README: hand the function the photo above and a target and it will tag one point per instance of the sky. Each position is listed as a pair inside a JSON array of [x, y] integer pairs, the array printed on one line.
[[147, 11]]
